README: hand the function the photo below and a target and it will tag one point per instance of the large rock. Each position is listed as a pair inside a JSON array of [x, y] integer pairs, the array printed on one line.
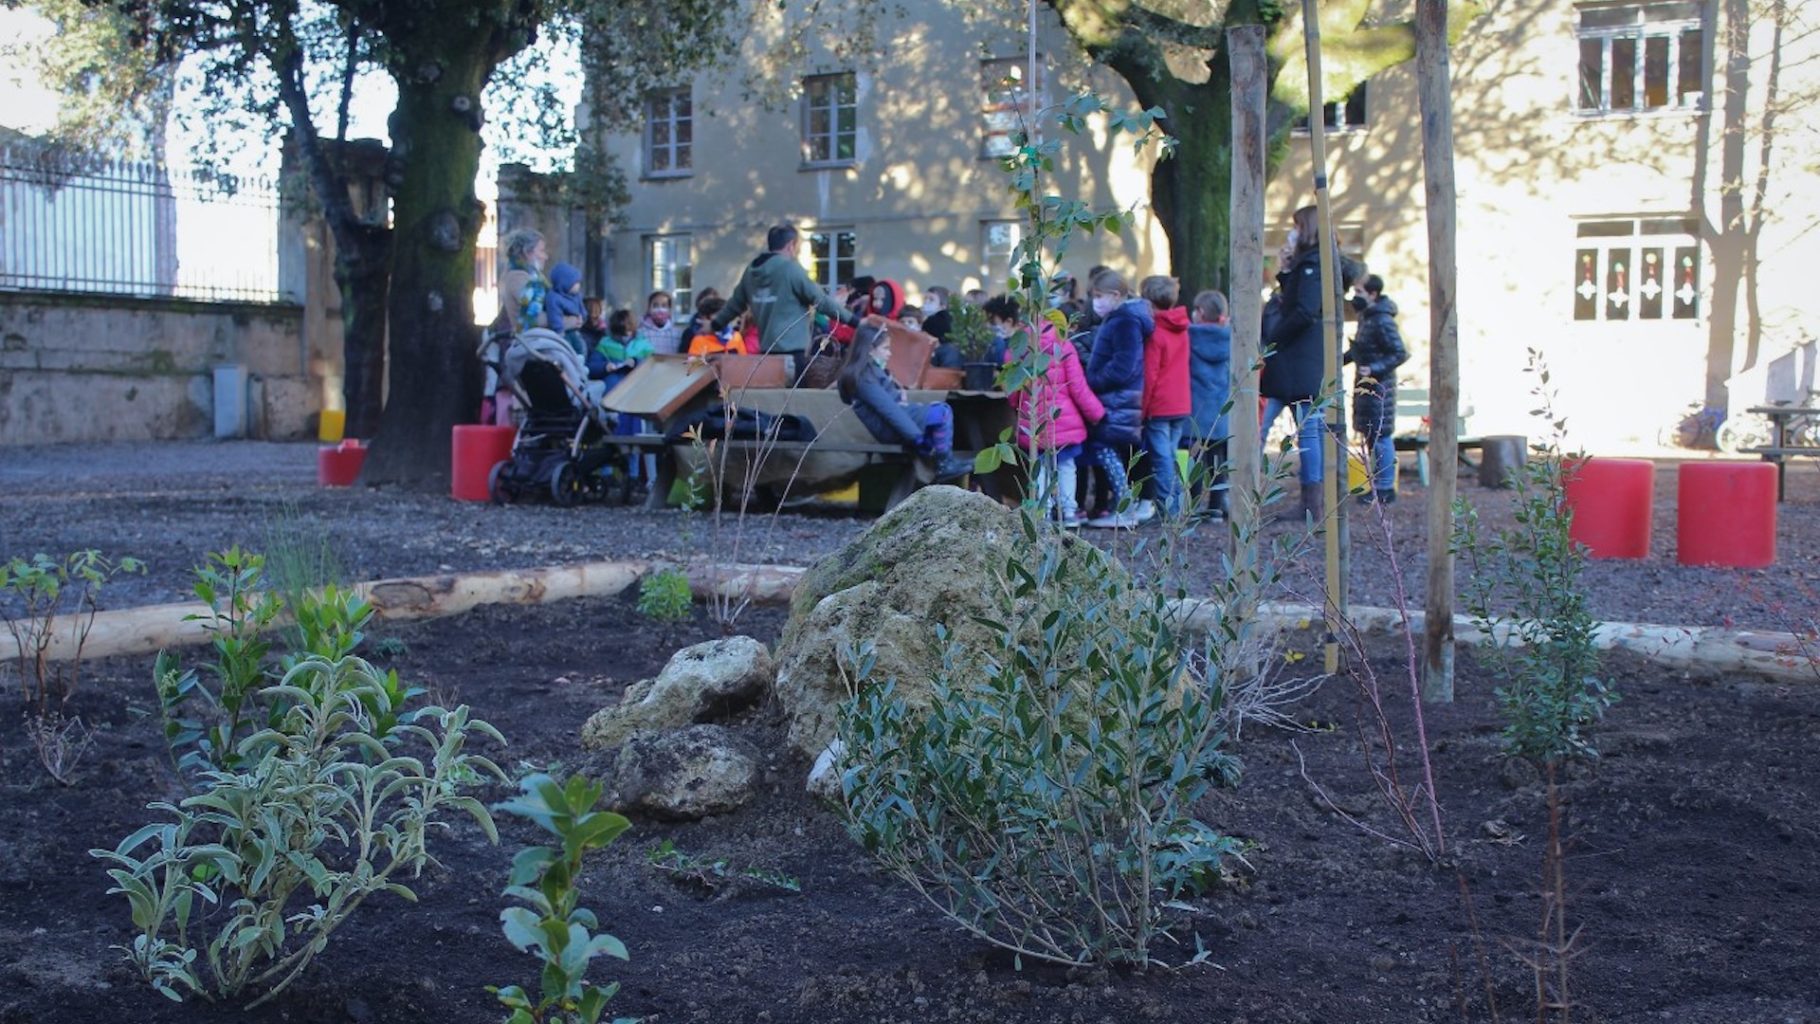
[[683, 775], [707, 681], [938, 558]]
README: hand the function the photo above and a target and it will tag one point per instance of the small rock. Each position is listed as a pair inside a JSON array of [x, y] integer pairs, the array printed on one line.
[[701, 683], [683, 775], [824, 777]]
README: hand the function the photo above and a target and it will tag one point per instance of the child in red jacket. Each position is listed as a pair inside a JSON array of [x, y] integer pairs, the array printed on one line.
[[1168, 398]]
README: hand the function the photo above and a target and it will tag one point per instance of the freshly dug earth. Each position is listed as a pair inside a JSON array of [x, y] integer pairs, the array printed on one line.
[[1691, 869]]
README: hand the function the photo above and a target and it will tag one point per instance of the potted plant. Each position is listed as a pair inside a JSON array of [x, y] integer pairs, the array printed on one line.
[[969, 333]]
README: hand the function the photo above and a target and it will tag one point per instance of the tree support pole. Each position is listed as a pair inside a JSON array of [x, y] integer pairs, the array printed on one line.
[[1244, 448], [1432, 88], [1333, 442]]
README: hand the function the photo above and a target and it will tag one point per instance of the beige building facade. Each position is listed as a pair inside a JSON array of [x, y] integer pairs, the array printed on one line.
[[1635, 192]]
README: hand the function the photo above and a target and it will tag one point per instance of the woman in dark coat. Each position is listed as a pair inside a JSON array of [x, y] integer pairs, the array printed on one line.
[[1377, 350]]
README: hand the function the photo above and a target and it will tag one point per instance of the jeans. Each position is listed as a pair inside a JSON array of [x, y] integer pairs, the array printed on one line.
[[1308, 435], [1383, 461], [1162, 436]]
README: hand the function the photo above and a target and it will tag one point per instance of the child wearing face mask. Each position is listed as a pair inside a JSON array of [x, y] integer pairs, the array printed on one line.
[[880, 403], [1115, 372], [659, 326], [1053, 411]]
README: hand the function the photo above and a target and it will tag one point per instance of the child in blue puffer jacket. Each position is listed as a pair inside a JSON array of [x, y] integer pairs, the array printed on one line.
[[1115, 372]]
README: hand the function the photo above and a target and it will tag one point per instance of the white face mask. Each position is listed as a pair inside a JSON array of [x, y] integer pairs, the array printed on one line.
[[931, 307], [1295, 239], [881, 355], [1103, 305], [1002, 331]]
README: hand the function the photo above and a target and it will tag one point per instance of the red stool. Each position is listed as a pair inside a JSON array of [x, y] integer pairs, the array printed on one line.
[[473, 453], [1725, 514], [1611, 501], [338, 465]]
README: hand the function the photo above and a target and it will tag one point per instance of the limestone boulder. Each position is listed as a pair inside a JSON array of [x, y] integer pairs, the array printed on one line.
[[683, 775], [700, 683], [937, 559]]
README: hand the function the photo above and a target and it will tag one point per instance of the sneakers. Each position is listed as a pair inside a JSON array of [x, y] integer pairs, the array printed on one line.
[[1144, 510], [1115, 521], [1072, 521]]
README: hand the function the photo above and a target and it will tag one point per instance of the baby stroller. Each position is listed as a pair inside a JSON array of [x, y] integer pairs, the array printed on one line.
[[561, 445]]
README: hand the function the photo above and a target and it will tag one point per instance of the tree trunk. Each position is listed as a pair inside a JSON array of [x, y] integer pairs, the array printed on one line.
[[362, 254], [436, 218], [1192, 190]]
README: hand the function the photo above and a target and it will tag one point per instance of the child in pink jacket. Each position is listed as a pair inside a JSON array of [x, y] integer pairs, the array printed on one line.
[[1055, 409]]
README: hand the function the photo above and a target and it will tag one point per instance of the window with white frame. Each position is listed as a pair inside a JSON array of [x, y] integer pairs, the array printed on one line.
[[1005, 103], [1637, 268], [669, 133], [998, 241], [669, 267], [830, 119], [1347, 115], [1641, 57], [831, 256]]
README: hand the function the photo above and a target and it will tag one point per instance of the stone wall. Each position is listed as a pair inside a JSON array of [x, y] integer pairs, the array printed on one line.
[[105, 368]]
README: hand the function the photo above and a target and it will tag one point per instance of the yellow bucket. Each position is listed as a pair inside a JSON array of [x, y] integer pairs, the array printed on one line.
[[329, 428]]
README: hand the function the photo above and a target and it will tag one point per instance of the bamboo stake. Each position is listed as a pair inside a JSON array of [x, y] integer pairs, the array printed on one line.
[[1333, 446], [1432, 87]]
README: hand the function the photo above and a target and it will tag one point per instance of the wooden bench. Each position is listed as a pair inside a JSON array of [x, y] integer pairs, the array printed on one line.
[[905, 484], [1412, 430]]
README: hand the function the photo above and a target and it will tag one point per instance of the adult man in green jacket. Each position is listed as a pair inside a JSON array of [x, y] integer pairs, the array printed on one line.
[[783, 300]]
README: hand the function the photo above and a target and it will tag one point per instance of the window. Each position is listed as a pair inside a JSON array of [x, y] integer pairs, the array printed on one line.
[[1346, 115], [1005, 103], [669, 133], [1637, 269], [831, 256], [669, 268], [1640, 57], [830, 119], [998, 240]]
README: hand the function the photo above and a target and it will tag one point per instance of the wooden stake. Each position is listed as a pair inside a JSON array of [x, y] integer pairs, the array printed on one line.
[[1433, 83], [1245, 220], [1333, 441]]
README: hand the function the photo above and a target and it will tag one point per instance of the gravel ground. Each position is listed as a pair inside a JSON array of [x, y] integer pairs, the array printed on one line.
[[169, 503]]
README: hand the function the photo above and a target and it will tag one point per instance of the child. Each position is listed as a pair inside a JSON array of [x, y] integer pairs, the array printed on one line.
[[1167, 400], [1209, 384], [1377, 350], [1115, 372], [879, 402], [1055, 409], [567, 312], [664, 335], [707, 343], [613, 359]]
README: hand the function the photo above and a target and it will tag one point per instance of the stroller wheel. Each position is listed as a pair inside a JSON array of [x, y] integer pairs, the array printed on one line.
[[499, 487], [565, 484]]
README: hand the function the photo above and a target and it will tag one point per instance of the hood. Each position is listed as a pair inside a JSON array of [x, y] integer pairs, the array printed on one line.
[[1210, 341], [763, 258], [564, 276], [1174, 318], [895, 305], [1383, 305], [1137, 308]]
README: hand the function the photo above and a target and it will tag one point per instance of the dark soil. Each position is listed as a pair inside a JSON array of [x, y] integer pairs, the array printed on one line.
[[1691, 870]]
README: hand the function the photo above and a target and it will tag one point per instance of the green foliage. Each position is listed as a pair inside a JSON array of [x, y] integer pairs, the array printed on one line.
[[44, 591], [552, 925], [969, 331], [1046, 803], [299, 556], [712, 874], [244, 883], [665, 596], [1522, 587]]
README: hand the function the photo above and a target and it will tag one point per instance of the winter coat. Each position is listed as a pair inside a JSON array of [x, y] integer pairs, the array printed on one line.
[[1060, 405], [614, 358], [1294, 366], [1210, 380], [890, 309], [1115, 372], [1166, 381], [665, 338], [1377, 350], [938, 324], [878, 401], [565, 311], [781, 298]]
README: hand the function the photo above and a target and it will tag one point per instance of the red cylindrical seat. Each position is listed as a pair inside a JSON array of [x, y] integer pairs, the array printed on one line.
[[1611, 501], [1725, 514], [473, 453], [338, 465]]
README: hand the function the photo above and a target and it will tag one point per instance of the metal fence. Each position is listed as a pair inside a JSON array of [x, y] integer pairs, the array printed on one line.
[[70, 222]]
